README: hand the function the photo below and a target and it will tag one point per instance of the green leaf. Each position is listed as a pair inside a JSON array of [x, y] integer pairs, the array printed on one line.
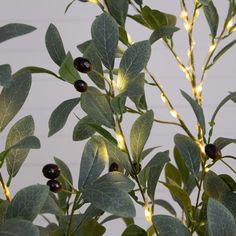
[[197, 110], [110, 194], [5, 75], [220, 220], [183, 170], [168, 225], [147, 151], [139, 2], [223, 51], [162, 32], [60, 115], [153, 170], [84, 46], [14, 30], [28, 202], [123, 36], [173, 174], [139, 134], [24, 128], [134, 230], [104, 133], [66, 184], [133, 86], [67, 70], [13, 98], [92, 228], [83, 129], [50, 206], [37, 70], [3, 209], [96, 105], [118, 104], [212, 17], [229, 201], [223, 142], [96, 75], [16, 227], [105, 36], [134, 60], [118, 156], [182, 197], [189, 151], [55, 45], [165, 205], [118, 9], [94, 159], [229, 181], [214, 186]]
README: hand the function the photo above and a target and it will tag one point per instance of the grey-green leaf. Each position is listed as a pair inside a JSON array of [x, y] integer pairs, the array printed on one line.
[[166, 205], [173, 174], [67, 70], [92, 228], [212, 17], [55, 45], [94, 159], [133, 62], [5, 75], [229, 201], [214, 186], [197, 110], [223, 142], [14, 30], [220, 221], [28, 202], [140, 132], [60, 115], [83, 130], [18, 227], [189, 151], [168, 225], [96, 105], [118, 10], [111, 196], [134, 230], [13, 98], [16, 156], [162, 32], [105, 37]]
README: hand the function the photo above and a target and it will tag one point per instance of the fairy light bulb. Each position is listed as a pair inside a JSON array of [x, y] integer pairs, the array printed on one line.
[[114, 84], [148, 214], [206, 169], [121, 141], [174, 113], [212, 47], [163, 98], [184, 14], [187, 25], [230, 23], [197, 13]]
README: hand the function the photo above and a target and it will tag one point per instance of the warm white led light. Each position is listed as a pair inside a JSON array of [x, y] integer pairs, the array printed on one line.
[[174, 113], [230, 23], [212, 47], [163, 98], [121, 141], [148, 214], [184, 14]]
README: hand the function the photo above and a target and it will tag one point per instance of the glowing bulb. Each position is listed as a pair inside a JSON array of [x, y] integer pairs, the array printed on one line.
[[163, 98], [93, 1], [184, 14], [230, 23], [189, 52], [212, 47], [174, 113], [121, 141], [148, 214], [197, 13], [129, 39], [187, 26], [206, 169], [198, 89], [114, 83]]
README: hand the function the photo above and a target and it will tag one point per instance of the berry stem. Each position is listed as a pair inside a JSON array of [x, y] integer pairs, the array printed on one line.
[[5, 189]]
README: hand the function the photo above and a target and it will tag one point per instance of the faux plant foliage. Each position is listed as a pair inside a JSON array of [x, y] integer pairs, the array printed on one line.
[[118, 172]]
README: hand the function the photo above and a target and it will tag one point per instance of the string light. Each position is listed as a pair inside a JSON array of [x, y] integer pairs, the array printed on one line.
[[206, 169], [212, 47], [184, 14], [174, 113], [121, 141], [130, 41], [230, 23], [114, 84], [197, 13], [148, 214], [198, 89], [187, 25], [163, 98]]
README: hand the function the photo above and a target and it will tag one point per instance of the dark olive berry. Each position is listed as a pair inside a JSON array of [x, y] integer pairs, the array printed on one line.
[[82, 64], [113, 167], [212, 151], [136, 168], [51, 171], [54, 185], [80, 86]]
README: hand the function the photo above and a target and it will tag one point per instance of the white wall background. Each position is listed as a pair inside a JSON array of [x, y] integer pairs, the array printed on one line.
[[47, 93]]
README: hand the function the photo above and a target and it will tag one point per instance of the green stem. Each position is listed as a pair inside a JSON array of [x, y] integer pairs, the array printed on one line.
[[5, 189], [228, 166]]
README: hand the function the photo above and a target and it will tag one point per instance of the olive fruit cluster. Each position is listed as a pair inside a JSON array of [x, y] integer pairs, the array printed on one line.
[[52, 171], [212, 151], [83, 65]]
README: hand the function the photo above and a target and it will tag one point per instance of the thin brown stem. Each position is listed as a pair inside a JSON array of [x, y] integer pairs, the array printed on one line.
[[5, 189]]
